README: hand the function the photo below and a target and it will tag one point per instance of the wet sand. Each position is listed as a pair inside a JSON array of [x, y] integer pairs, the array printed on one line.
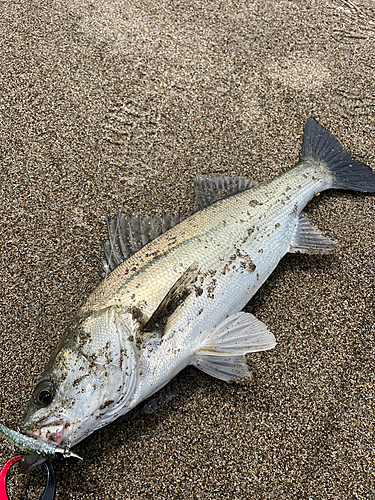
[[109, 106]]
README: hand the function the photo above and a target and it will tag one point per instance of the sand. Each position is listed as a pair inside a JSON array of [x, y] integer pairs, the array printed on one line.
[[109, 106]]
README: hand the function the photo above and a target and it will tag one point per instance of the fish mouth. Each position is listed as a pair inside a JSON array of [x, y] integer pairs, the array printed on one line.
[[51, 430]]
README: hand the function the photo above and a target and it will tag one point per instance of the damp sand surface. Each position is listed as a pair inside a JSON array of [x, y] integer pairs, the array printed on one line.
[[109, 106]]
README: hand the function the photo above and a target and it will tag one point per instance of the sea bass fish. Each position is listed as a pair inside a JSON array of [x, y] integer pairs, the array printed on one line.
[[173, 292]]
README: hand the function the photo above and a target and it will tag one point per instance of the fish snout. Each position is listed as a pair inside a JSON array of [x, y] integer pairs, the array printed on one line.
[[53, 430]]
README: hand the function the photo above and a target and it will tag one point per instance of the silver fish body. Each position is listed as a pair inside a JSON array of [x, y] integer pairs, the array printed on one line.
[[177, 300], [234, 244]]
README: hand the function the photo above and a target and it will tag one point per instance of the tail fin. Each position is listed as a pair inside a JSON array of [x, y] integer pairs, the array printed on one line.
[[349, 173]]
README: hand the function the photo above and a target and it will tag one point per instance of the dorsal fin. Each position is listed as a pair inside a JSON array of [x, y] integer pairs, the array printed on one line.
[[128, 234], [207, 190]]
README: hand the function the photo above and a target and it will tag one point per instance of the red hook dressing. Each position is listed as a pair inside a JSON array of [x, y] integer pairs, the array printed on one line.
[[3, 476], [49, 490]]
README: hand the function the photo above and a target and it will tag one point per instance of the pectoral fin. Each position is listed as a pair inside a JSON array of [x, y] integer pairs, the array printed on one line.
[[176, 295], [223, 353]]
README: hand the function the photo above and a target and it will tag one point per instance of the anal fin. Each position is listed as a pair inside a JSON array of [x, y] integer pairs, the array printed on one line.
[[308, 239], [223, 353]]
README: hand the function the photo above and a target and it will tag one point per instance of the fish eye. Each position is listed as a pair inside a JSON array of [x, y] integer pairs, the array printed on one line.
[[43, 392]]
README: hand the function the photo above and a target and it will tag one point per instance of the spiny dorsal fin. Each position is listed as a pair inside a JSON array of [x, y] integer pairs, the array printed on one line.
[[308, 239], [207, 190], [128, 234]]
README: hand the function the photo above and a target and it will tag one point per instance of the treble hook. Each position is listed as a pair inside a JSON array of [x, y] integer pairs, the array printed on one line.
[[49, 490]]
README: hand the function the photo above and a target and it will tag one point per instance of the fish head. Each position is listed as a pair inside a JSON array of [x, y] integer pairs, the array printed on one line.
[[63, 399], [86, 383]]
